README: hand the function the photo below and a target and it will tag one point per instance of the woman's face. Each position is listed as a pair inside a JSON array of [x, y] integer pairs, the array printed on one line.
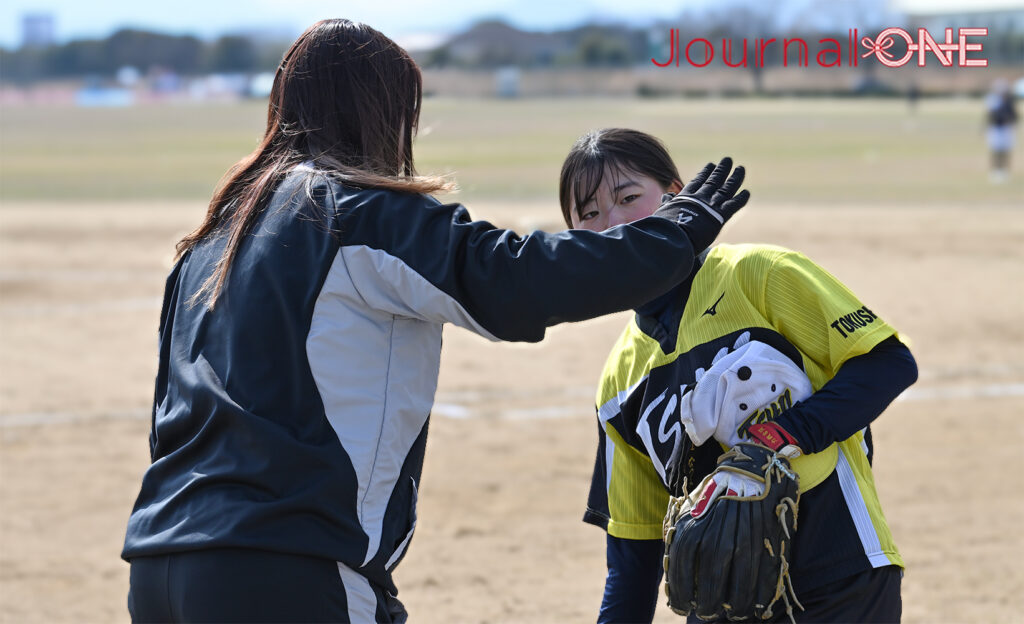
[[623, 197]]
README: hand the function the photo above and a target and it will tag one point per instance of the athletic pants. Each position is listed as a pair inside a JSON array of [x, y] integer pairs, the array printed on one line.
[[243, 585], [872, 596]]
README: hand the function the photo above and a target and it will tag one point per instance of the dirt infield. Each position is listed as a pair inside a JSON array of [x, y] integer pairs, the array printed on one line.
[[500, 537]]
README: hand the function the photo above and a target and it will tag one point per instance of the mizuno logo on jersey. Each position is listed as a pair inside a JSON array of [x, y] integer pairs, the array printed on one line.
[[768, 412], [849, 323], [713, 310]]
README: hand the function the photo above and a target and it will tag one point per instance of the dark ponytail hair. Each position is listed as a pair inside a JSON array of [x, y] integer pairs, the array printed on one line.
[[345, 97], [615, 149]]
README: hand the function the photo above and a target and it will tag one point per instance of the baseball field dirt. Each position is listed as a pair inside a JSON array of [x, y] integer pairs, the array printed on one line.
[[513, 436]]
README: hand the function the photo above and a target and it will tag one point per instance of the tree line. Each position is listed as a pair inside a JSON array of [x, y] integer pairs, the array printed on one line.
[[144, 50], [484, 45]]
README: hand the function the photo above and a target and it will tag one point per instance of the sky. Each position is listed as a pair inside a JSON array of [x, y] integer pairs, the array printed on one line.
[[404, 20]]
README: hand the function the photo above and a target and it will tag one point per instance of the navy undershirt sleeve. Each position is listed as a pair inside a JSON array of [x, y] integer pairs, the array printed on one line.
[[864, 386], [634, 575]]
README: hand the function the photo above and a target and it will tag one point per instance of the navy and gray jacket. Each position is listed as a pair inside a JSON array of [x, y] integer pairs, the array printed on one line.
[[292, 416]]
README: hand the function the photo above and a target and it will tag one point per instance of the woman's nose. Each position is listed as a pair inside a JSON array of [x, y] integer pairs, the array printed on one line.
[[615, 219]]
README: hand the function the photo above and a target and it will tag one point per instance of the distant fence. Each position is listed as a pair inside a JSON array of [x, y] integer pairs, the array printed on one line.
[[641, 82]]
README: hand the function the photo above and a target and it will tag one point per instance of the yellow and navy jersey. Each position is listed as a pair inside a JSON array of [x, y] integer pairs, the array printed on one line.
[[740, 292]]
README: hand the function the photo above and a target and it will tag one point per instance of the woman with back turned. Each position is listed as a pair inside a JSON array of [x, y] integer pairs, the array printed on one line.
[[300, 339]]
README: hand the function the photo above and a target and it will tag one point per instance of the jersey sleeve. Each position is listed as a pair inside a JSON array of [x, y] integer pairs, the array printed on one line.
[[412, 256], [818, 314], [627, 498], [857, 395]]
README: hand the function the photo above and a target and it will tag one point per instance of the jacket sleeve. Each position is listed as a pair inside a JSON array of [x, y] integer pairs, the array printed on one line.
[[413, 256]]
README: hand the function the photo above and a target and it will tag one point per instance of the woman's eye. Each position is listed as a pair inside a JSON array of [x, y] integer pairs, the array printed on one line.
[[628, 199], [588, 216]]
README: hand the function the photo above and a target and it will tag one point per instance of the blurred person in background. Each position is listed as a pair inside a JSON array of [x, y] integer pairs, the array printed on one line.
[[845, 566], [1001, 117], [300, 339], [913, 96]]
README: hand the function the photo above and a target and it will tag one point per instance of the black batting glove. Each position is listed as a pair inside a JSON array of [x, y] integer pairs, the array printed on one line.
[[706, 203]]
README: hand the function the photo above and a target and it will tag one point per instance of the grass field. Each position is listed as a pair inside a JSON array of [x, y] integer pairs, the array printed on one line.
[[818, 152], [92, 201]]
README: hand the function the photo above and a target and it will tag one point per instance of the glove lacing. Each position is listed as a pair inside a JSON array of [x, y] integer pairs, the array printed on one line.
[[784, 588]]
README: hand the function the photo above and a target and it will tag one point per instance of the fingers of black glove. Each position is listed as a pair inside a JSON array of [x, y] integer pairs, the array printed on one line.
[[730, 187], [683, 564], [717, 549], [732, 206], [717, 177], [698, 180], [749, 546]]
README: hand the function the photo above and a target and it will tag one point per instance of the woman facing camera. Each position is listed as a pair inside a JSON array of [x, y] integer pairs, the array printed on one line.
[[837, 366], [300, 338]]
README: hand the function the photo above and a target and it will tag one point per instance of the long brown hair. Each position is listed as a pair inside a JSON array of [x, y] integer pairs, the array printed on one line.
[[345, 97], [615, 149]]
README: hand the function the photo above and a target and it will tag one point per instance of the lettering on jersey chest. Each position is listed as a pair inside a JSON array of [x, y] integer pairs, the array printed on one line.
[[652, 409], [770, 411]]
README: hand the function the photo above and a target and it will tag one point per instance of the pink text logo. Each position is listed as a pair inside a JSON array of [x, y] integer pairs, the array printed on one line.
[[830, 52], [925, 43]]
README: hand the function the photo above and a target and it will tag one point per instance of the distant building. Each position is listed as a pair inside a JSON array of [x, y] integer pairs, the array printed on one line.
[[998, 21], [506, 82], [38, 30], [496, 44], [1004, 44]]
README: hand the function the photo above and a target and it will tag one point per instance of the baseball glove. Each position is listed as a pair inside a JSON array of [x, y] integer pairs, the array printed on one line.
[[727, 542]]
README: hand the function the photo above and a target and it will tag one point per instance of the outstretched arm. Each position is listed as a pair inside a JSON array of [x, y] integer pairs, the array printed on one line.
[[411, 256]]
